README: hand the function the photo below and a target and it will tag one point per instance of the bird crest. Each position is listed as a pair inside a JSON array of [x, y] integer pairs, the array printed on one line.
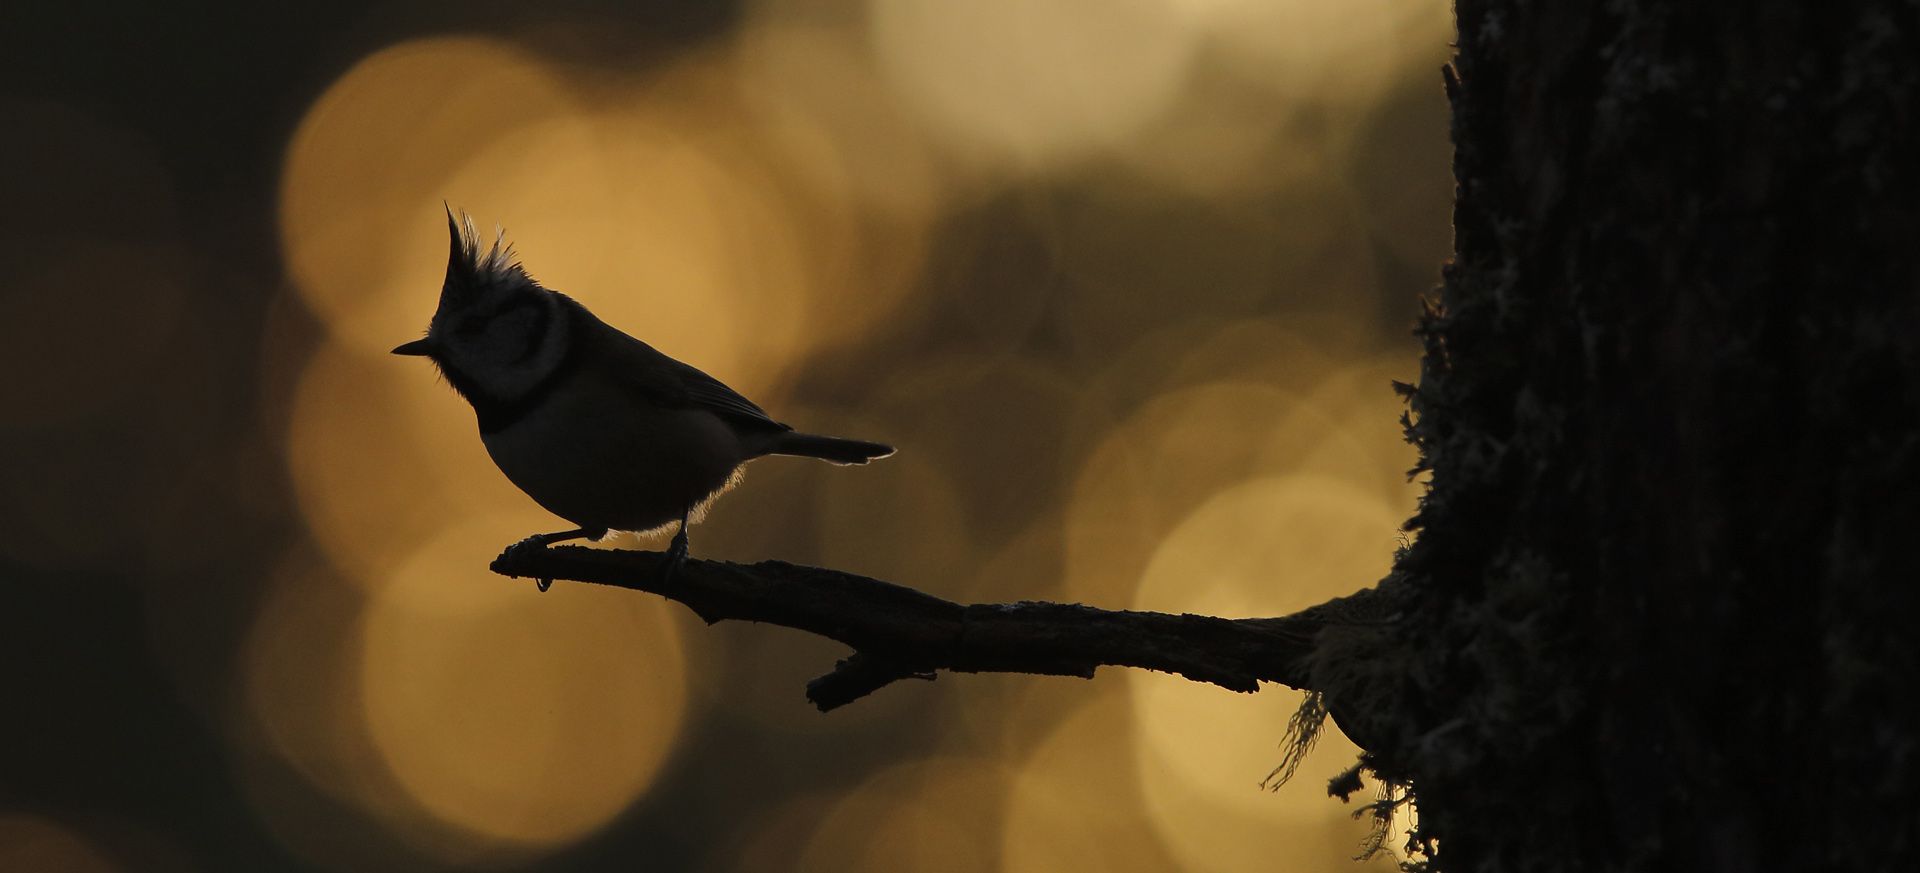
[[472, 270]]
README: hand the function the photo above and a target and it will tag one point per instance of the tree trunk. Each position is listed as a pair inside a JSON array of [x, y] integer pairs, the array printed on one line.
[[1664, 596]]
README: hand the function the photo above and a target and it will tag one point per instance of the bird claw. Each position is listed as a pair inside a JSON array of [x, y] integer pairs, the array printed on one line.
[[542, 540], [675, 557], [537, 541], [670, 565]]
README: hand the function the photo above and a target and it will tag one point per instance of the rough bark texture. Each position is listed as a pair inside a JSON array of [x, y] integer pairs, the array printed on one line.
[[1663, 573]]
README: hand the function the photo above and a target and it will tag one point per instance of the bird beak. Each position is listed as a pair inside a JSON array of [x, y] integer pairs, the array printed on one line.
[[418, 347]]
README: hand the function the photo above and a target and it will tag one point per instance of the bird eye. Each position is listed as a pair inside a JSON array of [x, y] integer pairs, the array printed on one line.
[[470, 327]]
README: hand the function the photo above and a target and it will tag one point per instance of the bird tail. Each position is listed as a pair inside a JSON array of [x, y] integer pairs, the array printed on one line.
[[833, 450]]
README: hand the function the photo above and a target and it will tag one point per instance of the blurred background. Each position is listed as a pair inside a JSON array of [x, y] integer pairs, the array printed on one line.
[[1125, 280]]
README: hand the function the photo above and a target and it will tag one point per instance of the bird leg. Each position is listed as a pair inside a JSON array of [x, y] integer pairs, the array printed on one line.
[[541, 541], [676, 551]]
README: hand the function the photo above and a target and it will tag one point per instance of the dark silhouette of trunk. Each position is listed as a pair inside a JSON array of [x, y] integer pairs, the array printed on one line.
[[1663, 609]]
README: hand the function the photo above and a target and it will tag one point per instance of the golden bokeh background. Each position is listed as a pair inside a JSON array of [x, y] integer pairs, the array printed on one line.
[[1127, 281]]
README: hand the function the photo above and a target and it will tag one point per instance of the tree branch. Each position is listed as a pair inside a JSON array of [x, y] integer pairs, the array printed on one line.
[[899, 633]]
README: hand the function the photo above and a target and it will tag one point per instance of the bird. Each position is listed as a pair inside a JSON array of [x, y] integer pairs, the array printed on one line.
[[597, 426]]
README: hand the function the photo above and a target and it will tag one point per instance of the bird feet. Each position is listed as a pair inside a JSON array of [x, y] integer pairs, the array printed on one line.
[[541, 541], [676, 556]]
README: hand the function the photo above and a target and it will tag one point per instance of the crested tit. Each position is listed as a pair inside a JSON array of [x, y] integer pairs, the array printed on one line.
[[594, 425]]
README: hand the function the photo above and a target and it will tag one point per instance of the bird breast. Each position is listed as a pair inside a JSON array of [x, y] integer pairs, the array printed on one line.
[[594, 454]]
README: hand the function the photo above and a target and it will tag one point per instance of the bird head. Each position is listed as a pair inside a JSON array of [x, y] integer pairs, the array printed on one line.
[[497, 334]]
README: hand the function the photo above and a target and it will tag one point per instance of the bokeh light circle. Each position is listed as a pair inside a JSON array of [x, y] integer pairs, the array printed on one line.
[[933, 814], [369, 166], [1074, 804], [1172, 454], [383, 456], [1033, 84], [1269, 546], [520, 718]]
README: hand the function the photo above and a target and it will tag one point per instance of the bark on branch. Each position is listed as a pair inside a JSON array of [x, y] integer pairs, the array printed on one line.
[[899, 633]]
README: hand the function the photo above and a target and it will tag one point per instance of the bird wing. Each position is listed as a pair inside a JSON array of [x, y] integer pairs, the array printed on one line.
[[697, 389], [674, 385]]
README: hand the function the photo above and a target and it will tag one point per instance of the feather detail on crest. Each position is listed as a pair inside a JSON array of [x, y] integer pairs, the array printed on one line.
[[470, 268]]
